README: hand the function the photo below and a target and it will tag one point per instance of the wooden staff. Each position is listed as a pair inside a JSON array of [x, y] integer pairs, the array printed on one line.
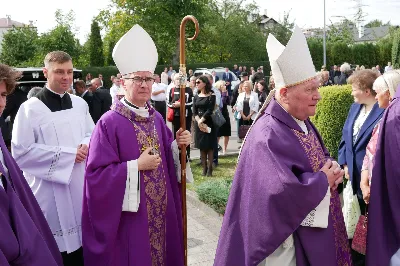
[[182, 85]]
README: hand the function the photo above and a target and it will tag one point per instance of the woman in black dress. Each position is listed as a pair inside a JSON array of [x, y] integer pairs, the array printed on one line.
[[262, 92], [206, 133], [174, 103], [225, 129]]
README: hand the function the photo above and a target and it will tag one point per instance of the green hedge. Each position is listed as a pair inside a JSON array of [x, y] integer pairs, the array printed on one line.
[[331, 114], [215, 193]]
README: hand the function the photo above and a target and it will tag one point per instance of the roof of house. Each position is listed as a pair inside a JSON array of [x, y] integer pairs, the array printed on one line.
[[8, 23], [267, 19], [373, 34]]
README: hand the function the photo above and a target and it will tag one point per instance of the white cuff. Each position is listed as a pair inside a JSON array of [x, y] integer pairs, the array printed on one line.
[[132, 190], [175, 155], [320, 215]]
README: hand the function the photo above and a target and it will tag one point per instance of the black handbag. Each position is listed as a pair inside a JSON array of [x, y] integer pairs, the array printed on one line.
[[217, 118]]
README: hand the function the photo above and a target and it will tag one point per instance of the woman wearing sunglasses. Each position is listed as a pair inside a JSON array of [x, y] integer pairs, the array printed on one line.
[[206, 133]]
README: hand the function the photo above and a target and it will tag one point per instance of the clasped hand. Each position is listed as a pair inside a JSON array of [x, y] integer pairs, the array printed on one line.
[[81, 153], [334, 173], [148, 161]]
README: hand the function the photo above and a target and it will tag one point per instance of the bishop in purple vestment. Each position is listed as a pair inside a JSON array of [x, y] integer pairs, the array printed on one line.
[[132, 205], [283, 208], [26, 239], [383, 238]]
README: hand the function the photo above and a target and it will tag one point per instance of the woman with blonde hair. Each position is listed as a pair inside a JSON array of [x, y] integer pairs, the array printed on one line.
[[225, 129], [247, 104]]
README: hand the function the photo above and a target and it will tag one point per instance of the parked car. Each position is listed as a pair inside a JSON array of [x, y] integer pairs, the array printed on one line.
[[34, 77], [219, 71]]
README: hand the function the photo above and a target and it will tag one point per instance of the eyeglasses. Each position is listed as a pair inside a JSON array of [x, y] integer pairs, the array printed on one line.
[[198, 82], [139, 80]]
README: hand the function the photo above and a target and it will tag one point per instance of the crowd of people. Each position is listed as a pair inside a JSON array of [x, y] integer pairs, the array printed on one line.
[[93, 174]]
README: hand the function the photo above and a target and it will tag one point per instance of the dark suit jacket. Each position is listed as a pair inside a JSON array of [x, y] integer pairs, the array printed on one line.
[[228, 77], [353, 154], [14, 101], [99, 102]]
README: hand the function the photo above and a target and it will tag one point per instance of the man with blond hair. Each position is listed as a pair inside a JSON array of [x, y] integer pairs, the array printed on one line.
[[50, 143]]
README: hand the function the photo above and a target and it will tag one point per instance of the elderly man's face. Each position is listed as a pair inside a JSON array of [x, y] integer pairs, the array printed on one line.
[[138, 90], [302, 99]]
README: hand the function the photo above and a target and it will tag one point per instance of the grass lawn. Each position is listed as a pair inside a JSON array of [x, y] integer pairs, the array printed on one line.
[[225, 170], [214, 191]]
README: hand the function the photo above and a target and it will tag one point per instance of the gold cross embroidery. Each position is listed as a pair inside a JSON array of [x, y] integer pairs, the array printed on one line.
[[150, 142]]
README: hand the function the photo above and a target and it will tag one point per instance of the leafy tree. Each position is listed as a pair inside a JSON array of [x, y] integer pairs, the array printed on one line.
[[96, 55], [110, 48], [342, 32], [19, 46], [376, 23], [60, 38], [161, 19], [283, 30]]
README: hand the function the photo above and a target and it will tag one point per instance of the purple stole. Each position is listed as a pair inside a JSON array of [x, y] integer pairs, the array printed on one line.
[[315, 154], [154, 180]]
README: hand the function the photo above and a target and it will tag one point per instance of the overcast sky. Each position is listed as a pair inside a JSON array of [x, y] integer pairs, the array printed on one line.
[[306, 13]]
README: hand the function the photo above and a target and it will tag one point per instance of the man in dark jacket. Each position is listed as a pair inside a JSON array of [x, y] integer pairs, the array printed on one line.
[[98, 100], [258, 76], [14, 101]]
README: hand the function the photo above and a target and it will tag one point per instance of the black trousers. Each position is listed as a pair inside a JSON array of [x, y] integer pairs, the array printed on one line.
[[160, 107], [73, 259], [176, 125]]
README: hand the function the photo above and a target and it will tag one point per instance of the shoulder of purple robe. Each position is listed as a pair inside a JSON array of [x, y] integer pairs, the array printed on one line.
[[383, 240], [104, 189], [29, 203], [273, 190]]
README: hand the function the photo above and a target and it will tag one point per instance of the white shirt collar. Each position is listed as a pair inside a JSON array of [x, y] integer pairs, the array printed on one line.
[[61, 94], [84, 93], [142, 111], [301, 123]]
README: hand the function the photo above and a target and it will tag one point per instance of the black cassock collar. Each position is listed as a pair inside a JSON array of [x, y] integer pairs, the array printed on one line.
[[54, 101]]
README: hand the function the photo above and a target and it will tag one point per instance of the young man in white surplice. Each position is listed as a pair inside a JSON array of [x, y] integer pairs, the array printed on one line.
[[50, 144]]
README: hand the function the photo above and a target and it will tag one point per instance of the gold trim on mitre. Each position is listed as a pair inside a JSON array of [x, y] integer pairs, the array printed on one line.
[[300, 82]]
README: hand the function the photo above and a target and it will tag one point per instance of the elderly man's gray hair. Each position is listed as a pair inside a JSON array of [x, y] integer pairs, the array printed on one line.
[[345, 68], [34, 91]]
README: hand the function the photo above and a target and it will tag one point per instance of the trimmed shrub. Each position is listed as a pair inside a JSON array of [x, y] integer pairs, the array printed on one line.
[[331, 114], [215, 193]]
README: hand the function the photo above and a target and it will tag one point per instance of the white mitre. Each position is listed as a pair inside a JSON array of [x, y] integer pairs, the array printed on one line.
[[290, 65], [135, 51]]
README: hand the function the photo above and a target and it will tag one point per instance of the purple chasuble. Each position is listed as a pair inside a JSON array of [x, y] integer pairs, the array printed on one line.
[[26, 239], [152, 235], [276, 185], [383, 239]]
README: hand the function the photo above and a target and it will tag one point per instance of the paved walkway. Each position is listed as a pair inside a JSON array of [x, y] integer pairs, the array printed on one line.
[[203, 233], [204, 224]]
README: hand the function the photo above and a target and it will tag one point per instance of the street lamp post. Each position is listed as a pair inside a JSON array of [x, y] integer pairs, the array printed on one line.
[[325, 36]]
